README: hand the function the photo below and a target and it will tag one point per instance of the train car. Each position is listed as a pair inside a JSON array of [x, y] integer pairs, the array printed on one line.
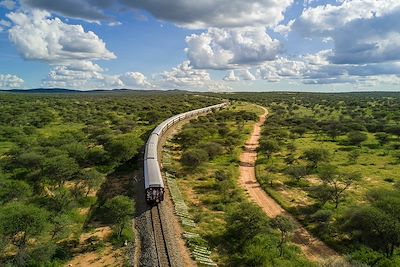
[[154, 184]]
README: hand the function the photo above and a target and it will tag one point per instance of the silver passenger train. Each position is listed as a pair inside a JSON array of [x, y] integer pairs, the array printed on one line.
[[153, 181]]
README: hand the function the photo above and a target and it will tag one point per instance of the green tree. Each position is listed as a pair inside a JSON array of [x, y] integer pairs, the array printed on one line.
[[285, 227], [337, 182], [353, 156], [383, 138], [123, 148], [21, 222], [243, 222], [355, 138], [120, 209], [269, 147], [60, 168], [374, 227], [297, 172], [316, 156], [193, 158], [92, 179], [213, 149], [13, 189]]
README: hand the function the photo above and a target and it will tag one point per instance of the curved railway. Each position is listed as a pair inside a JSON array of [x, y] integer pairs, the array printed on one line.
[[154, 185]]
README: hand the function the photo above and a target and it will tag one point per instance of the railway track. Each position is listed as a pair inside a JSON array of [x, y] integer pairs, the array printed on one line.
[[161, 244]]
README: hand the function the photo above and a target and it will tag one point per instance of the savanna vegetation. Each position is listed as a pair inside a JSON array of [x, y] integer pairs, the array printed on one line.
[[66, 168], [332, 160], [204, 158]]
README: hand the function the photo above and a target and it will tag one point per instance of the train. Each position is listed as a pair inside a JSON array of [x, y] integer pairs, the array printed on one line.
[[153, 180]]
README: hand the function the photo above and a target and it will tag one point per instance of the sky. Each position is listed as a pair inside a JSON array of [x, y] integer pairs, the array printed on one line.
[[201, 45]]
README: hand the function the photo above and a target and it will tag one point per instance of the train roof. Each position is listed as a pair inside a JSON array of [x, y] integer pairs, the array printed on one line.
[[152, 174]]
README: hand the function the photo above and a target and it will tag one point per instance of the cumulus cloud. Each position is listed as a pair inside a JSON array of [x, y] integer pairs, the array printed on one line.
[[362, 31], [184, 76], [37, 36], [237, 75], [281, 68], [231, 48], [4, 24], [135, 80], [186, 13], [80, 75], [9, 4], [8, 81], [231, 77], [87, 75]]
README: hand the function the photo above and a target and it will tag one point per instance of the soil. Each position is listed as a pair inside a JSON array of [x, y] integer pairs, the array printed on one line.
[[107, 257], [313, 249]]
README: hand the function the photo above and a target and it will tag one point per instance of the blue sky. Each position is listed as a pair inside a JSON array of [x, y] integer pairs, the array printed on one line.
[[220, 45]]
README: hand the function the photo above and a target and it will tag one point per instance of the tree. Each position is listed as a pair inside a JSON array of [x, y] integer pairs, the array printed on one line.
[[290, 159], [20, 222], [299, 130], [374, 227], [353, 156], [213, 149], [337, 182], [393, 129], [355, 138], [93, 179], [120, 209], [297, 172], [383, 138], [13, 189], [60, 168], [316, 156], [193, 158], [243, 222], [123, 148], [269, 147], [61, 226], [285, 227]]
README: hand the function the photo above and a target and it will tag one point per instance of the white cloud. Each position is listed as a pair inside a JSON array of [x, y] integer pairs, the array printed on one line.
[[324, 19], [281, 68], [8, 81], [237, 75], [231, 77], [362, 31], [184, 76], [86, 75], [82, 75], [4, 24], [231, 48], [114, 23], [246, 75], [187, 13], [9, 4], [37, 36], [135, 80]]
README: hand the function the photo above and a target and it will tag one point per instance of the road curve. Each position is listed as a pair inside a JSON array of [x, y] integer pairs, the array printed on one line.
[[313, 249]]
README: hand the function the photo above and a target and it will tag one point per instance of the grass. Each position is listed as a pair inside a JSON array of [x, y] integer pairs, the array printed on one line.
[[55, 129]]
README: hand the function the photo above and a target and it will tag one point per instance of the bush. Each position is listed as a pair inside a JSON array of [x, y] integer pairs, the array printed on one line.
[[316, 156], [193, 158], [355, 138], [213, 149]]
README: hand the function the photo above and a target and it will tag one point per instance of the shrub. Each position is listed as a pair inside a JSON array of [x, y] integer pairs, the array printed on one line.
[[193, 158]]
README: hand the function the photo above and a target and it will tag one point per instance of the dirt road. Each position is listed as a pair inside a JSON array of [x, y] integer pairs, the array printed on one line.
[[313, 249]]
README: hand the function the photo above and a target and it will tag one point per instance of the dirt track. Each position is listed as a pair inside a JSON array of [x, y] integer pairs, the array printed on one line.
[[313, 249]]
